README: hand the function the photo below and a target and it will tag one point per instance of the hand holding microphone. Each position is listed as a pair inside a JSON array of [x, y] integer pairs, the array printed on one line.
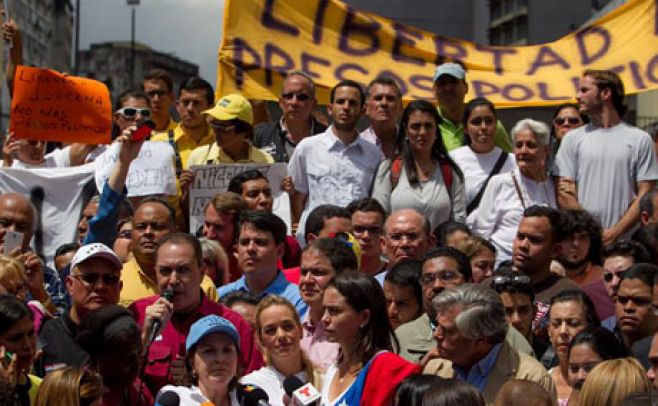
[[157, 315]]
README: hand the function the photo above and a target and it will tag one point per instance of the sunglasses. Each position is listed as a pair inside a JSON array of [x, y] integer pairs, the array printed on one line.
[[130, 112], [222, 128], [92, 278], [608, 276], [159, 93], [516, 280], [570, 120], [300, 96]]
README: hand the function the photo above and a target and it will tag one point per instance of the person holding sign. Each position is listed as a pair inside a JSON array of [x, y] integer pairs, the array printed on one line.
[[450, 89], [232, 121]]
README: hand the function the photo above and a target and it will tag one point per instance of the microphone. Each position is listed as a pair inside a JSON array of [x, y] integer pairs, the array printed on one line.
[[167, 294], [251, 395], [168, 398], [301, 393]]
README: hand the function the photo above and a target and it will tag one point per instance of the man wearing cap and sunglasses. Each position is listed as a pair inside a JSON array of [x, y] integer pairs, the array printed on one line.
[[94, 282], [297, 102], [450, 90]]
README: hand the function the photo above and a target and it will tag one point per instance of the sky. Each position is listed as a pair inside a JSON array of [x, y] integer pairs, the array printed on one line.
[[189, 29]]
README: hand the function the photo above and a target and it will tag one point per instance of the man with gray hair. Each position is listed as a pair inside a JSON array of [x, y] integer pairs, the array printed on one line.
[[297, 102], [383, 106], [470, 335]]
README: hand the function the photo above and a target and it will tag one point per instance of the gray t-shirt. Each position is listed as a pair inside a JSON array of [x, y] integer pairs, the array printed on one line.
[[607, 164]]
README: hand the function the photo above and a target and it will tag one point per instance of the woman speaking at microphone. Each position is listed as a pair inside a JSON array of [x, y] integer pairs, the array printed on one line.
[[212, 349], [367, 372], [279, 331]]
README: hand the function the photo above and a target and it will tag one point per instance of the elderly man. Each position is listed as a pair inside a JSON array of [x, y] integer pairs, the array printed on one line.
[[450, 90], [94, 282], [153, 220], [17, 215], [442, 268], [178, 271], [407, 234], [297, 102], [470, 334], [383, 106]]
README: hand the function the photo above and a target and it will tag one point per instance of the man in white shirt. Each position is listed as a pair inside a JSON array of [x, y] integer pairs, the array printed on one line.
[[337, 166], [383, 107]]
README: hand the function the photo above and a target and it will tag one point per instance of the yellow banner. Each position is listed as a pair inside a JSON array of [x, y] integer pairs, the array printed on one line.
[[332, 41]]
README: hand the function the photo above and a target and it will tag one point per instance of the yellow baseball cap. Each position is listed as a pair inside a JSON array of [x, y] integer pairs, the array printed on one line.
[[232, 107]]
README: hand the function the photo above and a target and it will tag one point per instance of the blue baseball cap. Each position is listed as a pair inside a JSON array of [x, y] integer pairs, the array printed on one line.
[[209, 325], [450, 68]]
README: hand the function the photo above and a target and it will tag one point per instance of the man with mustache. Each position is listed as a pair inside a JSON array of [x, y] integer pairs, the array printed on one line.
[[383, 106], [178, 270]]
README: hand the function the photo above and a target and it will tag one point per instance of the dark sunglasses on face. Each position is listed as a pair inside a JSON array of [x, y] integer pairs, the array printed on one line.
[[516, 280], [130, 112], [570, 120], [92, 278], [607, 276], [159, 93], [300, 96]]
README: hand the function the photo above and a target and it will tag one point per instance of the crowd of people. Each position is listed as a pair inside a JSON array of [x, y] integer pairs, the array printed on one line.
[[430, 259]]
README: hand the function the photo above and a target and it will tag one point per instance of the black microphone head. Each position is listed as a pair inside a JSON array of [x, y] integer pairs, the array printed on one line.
[[167, 294], [168, 398], [291, 384], [251, 395]]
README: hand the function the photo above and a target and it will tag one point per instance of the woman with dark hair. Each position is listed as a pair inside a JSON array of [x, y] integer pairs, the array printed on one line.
[[412, 389], [566, 117], [423, 177], [212, 346], [451, 392], [570, 312], [112, 339], [480, 158], [589, 348], [451, 233], [355, 317], [18, 344]]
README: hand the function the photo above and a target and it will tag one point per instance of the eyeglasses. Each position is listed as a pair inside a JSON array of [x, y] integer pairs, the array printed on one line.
[[608, 276], [130, 112], [300, 96], [446, 276], [222, 127], [570, 120], [516, 280], [92, 278]]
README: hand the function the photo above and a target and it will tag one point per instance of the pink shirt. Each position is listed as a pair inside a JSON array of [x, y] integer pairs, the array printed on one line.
[[314, 343], [170, 344]]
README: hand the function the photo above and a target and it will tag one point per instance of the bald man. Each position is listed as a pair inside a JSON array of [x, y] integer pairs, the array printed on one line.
[[44, 285], [407, 234]]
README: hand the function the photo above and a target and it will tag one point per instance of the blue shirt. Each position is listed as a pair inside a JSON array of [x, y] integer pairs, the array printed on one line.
[[103, 227], [479, 373], [280, 287]]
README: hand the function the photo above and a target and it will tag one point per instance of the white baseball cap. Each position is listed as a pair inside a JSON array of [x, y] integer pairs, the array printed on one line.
[[95, 250]]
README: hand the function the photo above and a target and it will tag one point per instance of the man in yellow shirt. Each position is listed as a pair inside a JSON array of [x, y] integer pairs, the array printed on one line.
[[153, 220], [195, 95], [159, 87], [231, 121]]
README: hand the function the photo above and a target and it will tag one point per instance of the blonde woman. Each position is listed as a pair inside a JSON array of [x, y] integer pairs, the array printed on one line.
[[279, 331], [71, 387], [215, 261], [611, 381]]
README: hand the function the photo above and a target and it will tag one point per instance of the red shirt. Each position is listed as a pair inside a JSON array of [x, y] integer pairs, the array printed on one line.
[[171, 341]]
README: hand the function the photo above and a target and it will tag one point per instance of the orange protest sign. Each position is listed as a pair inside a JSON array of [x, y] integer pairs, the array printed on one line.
[[54, 107]]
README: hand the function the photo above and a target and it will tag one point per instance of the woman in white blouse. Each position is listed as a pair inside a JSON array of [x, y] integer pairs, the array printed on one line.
[[480, 158], [279, 331], [507, 195]]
